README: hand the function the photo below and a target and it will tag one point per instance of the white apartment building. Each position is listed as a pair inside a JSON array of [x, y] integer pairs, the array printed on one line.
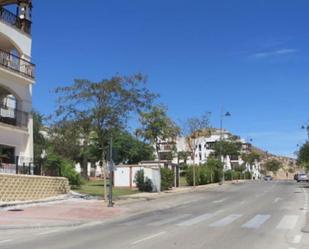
[[204, 147], [16, 81]]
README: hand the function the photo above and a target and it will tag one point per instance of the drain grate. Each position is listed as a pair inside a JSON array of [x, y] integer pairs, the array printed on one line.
[[16, 210]]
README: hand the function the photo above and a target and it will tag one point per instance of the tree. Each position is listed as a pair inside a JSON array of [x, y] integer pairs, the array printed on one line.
[[251, 158], [215, 167], [303, 154], [226, 148], [272, 165], [128, 149], [157, 127], [108, 104], [195, 129], [39, 141]]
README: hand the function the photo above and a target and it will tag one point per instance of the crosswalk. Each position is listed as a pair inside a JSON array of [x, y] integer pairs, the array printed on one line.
[[216, 220]]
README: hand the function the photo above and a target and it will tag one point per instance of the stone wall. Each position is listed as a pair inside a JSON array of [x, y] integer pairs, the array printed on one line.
[[25, 188]]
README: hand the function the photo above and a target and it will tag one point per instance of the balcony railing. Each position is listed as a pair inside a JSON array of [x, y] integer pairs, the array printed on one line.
[[16, 64], [13, 20], [13, 116]]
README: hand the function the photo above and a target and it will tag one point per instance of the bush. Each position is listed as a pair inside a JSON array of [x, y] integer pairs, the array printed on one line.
[[55, 165], [143, 183], [167, 178], [68, 171], [228, 175], [189, 175], [247, 175]]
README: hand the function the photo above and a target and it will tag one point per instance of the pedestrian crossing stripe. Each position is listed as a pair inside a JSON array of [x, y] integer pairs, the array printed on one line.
[[287, 222]]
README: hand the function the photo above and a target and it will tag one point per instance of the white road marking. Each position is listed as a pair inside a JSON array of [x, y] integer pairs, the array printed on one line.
[[48, 232], [148, 238], [5, 241], [170, 220], [306, 203], [277, 199], [297, 239], [219, 201], [226, 221], [288, 222], [256, 221], [196, 220]]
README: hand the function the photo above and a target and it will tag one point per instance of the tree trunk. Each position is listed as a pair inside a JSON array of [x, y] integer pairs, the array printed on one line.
[[84, 167], [104, 172]]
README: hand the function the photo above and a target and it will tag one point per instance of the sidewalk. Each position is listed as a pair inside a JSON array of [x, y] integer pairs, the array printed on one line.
[[71, 211]]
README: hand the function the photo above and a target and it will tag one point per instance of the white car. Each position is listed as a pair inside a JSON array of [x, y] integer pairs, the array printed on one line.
[[302, 177]]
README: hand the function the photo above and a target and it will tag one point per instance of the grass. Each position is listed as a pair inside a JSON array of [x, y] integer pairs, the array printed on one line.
[[96, 188]]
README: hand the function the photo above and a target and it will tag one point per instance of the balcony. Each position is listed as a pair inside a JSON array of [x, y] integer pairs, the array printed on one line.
[[16, 64], [15, 117], [13, 20]]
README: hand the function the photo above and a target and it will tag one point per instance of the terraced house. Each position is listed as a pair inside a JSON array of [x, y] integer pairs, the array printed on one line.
[[16, 81]]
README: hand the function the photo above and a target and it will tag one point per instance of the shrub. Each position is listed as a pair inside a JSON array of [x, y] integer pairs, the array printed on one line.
[[57, 165], [228, 175], [203, 176], [247, 175], [143, 183], [189, 175], [167, 178], [68, 171]]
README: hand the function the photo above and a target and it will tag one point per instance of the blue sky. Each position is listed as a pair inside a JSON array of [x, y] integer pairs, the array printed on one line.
[[249, 56]]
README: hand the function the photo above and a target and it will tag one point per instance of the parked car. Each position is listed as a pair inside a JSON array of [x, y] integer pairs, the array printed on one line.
[[296, 176], [268, 178], [302, 177]]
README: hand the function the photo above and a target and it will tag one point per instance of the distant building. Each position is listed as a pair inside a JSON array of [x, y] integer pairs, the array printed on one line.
[[16, 81], [204, 145]]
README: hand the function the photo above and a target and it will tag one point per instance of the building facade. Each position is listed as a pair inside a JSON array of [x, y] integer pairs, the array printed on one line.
[[16, 82], [204, 147]]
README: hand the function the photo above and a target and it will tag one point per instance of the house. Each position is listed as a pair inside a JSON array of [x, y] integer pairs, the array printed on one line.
[[17, 76], [204, 147]]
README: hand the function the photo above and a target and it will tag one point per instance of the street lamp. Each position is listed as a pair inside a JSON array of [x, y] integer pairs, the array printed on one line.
[[306, 128], [222, 116]]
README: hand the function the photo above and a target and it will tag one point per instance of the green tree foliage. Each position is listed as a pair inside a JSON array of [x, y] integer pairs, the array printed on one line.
[[251, 157], [39, 140], [209, 172], [107, 104], [272, 165], [56, 165], [167, 178], [157, 127], [303, 154], [227, 148], [128, 149]]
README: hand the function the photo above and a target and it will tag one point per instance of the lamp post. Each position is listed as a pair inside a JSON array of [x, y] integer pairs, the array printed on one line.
[[111, 174], [306, 127], [223, 114]]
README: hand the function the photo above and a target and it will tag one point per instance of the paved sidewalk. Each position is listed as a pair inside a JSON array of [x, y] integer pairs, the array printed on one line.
[[71, 212]]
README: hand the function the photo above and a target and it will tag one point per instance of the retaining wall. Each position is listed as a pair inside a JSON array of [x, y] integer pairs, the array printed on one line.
[[28, 187]]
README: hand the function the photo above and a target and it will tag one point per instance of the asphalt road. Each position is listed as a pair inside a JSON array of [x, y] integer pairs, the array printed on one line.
[[255, 215]]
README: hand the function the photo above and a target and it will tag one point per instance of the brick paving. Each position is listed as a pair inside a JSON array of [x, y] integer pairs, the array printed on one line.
[[64, 213]]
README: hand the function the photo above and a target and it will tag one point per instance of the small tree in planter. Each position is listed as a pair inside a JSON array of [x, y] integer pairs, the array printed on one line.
[[167, 178], [143, 183]]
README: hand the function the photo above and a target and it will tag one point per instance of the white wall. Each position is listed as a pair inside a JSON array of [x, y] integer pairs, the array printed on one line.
[[122, 176]]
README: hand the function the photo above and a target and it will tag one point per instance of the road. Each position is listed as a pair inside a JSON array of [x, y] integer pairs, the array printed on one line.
[[255, 215]]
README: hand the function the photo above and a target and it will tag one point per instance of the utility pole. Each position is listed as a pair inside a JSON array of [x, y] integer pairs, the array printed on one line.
[[222, 115], [111, 170]]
